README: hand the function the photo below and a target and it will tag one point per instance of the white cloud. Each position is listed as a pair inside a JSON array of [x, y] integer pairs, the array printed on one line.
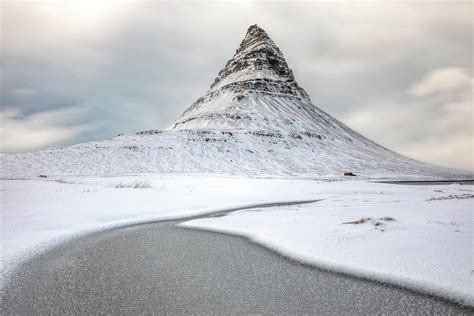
[[455, 151], [40, 130], [443, 138], [434, 125], [442, 80]]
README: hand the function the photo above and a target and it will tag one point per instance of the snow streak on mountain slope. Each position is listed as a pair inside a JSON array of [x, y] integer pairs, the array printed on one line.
[[254, 120]]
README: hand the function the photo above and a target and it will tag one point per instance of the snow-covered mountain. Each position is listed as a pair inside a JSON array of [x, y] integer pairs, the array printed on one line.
[[254, 120]]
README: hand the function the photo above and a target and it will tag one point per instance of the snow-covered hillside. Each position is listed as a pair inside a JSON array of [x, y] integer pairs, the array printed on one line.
[[250, 153], [255, 120]]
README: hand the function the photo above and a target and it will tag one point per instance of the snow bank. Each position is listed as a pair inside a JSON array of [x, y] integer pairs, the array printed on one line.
[[36, 214], [419, 237]]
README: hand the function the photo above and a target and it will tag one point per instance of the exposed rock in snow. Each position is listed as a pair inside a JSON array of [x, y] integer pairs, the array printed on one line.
[[255, 120]]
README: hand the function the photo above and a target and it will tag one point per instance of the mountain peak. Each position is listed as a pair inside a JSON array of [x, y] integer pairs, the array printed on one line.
[[257, 74], [257, 57], [255, 34], [255, 28]]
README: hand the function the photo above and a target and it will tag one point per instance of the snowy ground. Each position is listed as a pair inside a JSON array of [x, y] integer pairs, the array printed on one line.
[[417, 236]]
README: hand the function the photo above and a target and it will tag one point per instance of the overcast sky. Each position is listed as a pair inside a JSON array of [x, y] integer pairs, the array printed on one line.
[[398, 72]]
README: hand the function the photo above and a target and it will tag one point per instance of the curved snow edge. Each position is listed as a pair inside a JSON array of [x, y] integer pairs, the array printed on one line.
[[432, 289], [11, 264]]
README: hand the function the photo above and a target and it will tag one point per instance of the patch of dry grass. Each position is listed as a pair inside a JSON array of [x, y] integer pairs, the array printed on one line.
[[138, 184]]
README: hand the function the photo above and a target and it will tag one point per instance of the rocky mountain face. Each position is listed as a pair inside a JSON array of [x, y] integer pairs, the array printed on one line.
[[242, 94], [255, 120]]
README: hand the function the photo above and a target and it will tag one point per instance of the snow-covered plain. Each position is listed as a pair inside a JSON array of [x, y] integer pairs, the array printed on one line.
[[427, 246]]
